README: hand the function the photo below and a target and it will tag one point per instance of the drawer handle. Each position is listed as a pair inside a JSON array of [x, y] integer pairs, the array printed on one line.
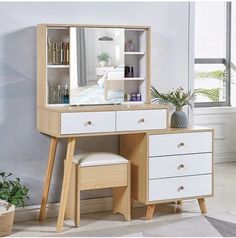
[[89, 123], [141, 120], [180, 144], [181, 188], [181, 166]]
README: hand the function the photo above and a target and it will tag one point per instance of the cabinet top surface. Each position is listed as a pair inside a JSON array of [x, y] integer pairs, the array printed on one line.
[[101, 108], [56, 25], [182, 130]]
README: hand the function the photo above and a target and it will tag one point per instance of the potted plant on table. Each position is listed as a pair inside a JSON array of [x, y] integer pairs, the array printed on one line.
[[178, 98], [103, 58], [12, 193]]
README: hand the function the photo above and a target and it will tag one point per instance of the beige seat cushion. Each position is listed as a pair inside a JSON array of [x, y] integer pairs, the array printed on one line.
[[98, 158]]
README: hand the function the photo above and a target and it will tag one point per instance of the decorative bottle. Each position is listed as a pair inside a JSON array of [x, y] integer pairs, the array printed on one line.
[[66, 95], [59, 97], [49, 50]]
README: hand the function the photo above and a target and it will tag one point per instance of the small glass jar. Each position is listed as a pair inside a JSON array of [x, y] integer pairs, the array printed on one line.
[[133, 97], [138, 97]]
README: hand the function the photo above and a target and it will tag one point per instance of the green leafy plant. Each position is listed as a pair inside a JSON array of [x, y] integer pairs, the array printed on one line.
[[103, 57], [177, 98], [212, 94], [12, 191]]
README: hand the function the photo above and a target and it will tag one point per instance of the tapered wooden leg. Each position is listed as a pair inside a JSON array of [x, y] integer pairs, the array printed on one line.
[[47, 179], [66, 182], [150, 211], [202, 205], [77, 218], [122, 199]]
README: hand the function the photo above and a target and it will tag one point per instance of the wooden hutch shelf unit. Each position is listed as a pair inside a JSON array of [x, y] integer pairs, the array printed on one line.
[[166, 164]]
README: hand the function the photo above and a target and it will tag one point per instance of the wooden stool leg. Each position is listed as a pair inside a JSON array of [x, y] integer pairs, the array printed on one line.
[[150, 211], [77, 218], [202, 205], [122, 199], [47, 179], [66, 182]]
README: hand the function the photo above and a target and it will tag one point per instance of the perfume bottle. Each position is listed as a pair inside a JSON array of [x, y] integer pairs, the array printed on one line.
[[59, 97], [67, 53], [54, 53], [49, 50], [66, 95], [62, 52]]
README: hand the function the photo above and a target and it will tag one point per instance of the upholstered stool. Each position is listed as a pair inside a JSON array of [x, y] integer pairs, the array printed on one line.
[[100, 170]]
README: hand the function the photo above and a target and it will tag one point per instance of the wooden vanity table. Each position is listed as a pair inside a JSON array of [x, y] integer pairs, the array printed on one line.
[[166, 164]]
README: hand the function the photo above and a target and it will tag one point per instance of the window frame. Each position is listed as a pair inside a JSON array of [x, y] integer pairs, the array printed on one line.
[[225, 61]]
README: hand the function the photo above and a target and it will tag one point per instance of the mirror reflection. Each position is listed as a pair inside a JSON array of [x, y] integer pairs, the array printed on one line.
[[97, 66]]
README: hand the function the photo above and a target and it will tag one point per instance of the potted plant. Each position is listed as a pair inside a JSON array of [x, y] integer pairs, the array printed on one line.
[[178, 98], [12, 193], [103, 58]]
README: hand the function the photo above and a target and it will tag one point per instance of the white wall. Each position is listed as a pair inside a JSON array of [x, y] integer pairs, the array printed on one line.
[[23, 149]]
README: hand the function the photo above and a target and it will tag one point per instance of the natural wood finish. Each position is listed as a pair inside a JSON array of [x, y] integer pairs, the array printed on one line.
[[80, 180], [56, 26], [48, 176], [134, 148], [150, 211], [90, 177], [202, 205], [179, 202], [148, 67], [49, 121], [66, 182], [122, 197], [41, 65]]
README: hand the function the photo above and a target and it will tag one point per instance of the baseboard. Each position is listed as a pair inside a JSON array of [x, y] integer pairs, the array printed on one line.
[[29, 213], [225, 157]]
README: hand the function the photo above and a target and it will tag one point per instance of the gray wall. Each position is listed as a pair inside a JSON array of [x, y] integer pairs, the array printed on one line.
[[23, 149]]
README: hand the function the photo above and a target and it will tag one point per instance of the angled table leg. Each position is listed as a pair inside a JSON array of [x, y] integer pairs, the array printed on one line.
[[202, 205], [150, 211], [48, 176], [66, 182]]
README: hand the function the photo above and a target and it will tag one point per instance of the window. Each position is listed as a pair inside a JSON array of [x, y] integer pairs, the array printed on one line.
[[212, 53]]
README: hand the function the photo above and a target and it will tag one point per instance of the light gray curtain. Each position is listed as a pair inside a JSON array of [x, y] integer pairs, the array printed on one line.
[[81, 57]]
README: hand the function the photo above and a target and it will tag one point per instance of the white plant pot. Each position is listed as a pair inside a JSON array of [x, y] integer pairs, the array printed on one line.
[[103, 63]]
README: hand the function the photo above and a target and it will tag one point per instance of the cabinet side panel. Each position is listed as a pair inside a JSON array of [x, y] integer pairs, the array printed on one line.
[[41, 65], [48, 122], [134, 148]]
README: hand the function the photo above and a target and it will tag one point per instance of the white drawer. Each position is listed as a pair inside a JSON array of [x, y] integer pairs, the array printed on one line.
[[87, 122], [141, 120], [180, 165], [181, 187], [180, 143]]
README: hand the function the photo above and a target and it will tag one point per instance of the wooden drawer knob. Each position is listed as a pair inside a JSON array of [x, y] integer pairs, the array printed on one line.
[[141, 120], [89, 123], [181, 188], [180, 144], [181, 166]]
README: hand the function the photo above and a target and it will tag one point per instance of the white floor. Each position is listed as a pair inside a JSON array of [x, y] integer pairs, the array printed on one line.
[[222, 206]]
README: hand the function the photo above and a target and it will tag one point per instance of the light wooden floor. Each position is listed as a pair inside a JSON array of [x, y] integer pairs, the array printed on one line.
[[221, 206]]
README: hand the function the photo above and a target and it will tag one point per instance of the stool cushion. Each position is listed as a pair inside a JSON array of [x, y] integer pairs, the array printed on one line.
[[98, 158]]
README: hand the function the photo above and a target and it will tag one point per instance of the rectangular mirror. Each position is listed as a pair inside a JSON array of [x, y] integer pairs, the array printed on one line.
[[96, 66]]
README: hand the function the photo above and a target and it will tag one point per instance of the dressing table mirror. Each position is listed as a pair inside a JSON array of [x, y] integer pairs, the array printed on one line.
[[97, 66]]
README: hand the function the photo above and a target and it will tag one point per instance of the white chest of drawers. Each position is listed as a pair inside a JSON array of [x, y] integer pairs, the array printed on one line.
[[170, 165], [180, 165]]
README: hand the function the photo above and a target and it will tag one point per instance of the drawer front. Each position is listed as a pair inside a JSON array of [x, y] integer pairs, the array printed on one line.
[[180, 143], [141, 120], [182, 187], [180, 165], [87, 122]]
